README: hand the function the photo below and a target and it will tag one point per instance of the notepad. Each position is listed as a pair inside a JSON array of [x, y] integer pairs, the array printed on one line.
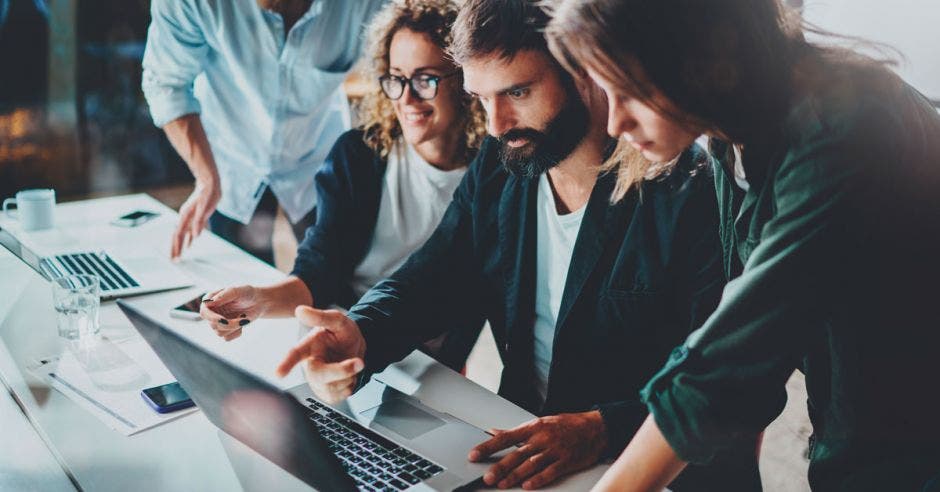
[[105, 378]]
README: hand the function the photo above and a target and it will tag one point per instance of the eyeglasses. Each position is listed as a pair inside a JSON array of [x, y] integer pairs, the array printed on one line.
[[423, 85]]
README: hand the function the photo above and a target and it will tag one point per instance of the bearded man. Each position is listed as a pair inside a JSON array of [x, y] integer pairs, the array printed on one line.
[[585, 297]]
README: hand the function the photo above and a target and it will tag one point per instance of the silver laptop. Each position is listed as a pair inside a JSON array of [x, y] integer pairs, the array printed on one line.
[[397, 443], [119, 277]]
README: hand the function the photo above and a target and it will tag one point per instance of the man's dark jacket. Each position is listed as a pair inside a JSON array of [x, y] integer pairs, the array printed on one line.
[[349, 192], [644, 273]]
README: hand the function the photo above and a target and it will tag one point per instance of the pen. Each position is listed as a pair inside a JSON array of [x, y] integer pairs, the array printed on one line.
[[92, 400]]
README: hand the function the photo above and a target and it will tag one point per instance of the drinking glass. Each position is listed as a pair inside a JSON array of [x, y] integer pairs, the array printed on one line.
[[77, 300]]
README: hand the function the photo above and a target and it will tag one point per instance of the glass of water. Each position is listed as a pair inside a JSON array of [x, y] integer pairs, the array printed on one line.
[[76, 304]]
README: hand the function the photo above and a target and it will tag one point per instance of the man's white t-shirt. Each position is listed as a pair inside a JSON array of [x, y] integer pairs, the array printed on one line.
[[556, 236], [415, 196]]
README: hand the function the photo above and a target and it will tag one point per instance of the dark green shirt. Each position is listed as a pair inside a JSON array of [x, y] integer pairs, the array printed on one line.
[[836, 252]]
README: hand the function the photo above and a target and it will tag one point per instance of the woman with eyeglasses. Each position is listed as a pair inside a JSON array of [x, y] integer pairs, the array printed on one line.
[[828, 183], [386, 185]]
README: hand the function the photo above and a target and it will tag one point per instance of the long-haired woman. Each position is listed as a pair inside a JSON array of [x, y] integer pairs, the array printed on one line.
[[386, 185], [828, 180]]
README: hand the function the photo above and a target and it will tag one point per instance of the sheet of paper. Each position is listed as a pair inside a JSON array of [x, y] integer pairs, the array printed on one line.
[[106, 378]]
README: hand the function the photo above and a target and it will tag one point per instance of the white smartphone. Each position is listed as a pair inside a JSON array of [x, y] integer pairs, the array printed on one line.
[[189, 309]]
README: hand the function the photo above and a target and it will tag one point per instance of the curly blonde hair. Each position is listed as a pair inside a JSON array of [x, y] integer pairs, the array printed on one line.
[[433, 18]]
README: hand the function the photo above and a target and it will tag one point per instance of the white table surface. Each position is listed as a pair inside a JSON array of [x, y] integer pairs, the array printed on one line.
[[26, 464], [184, 454]]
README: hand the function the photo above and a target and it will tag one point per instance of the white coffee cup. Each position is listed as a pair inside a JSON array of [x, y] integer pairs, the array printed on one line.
[[35, 209]]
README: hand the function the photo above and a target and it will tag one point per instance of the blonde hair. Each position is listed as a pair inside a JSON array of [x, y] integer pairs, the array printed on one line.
[[576, 54], [433, 18], [631, 169]]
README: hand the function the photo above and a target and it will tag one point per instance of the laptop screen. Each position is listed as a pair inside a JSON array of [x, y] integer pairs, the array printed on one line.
[[9, 241], [246, 407]]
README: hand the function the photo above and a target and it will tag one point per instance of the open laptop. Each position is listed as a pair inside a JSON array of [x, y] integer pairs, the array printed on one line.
[[397, 443], [119, 277]]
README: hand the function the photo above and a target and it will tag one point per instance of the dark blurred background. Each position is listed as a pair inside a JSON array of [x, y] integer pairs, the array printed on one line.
[[72, 115]]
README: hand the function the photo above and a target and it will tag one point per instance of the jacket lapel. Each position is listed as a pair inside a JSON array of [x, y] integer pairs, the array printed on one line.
[[751, 218], [601, 221], [736, 206], [517, 238]]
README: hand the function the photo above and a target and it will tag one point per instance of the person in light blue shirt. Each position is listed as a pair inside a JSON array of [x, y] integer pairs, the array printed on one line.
[[249, 93]]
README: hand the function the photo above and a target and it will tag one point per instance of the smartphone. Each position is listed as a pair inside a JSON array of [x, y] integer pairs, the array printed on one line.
[[134, 218], [167, 398], [189, 309]]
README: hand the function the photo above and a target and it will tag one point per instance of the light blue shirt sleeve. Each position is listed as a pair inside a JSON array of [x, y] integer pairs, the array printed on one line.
[[269, 97], [175, 54], [339, 42]]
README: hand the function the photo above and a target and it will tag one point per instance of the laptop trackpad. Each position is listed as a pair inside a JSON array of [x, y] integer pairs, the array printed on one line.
[[403, 418]]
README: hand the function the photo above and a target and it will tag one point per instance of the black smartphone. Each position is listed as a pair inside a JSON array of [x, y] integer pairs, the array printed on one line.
[[134, 218], [188, 309], [167, 398]]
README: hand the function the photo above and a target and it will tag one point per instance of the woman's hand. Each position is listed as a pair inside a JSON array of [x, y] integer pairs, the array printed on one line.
[[230, 309]]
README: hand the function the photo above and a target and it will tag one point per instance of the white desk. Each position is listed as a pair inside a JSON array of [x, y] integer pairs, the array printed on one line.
[[184, 454], [26, 464]]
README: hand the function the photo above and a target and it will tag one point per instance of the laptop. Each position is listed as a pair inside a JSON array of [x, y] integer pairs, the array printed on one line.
[[395, 444], [118, 276]]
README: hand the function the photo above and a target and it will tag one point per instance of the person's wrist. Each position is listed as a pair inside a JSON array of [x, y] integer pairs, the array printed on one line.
[[366, 373], [263, 298], [599, 429], [362, 347], [208, 182]]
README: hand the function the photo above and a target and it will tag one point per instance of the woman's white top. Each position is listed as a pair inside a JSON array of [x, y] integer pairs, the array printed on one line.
[[415, 196]]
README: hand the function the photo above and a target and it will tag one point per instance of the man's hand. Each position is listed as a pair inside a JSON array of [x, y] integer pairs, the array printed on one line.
[[333, 352], [189, 139], [194, 215], [548, 448]]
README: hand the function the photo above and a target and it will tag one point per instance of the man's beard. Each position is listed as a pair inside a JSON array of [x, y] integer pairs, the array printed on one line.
[[546, 148]]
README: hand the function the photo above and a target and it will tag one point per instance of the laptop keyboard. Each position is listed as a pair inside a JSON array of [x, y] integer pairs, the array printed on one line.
[[374, 462], [110, 274]]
